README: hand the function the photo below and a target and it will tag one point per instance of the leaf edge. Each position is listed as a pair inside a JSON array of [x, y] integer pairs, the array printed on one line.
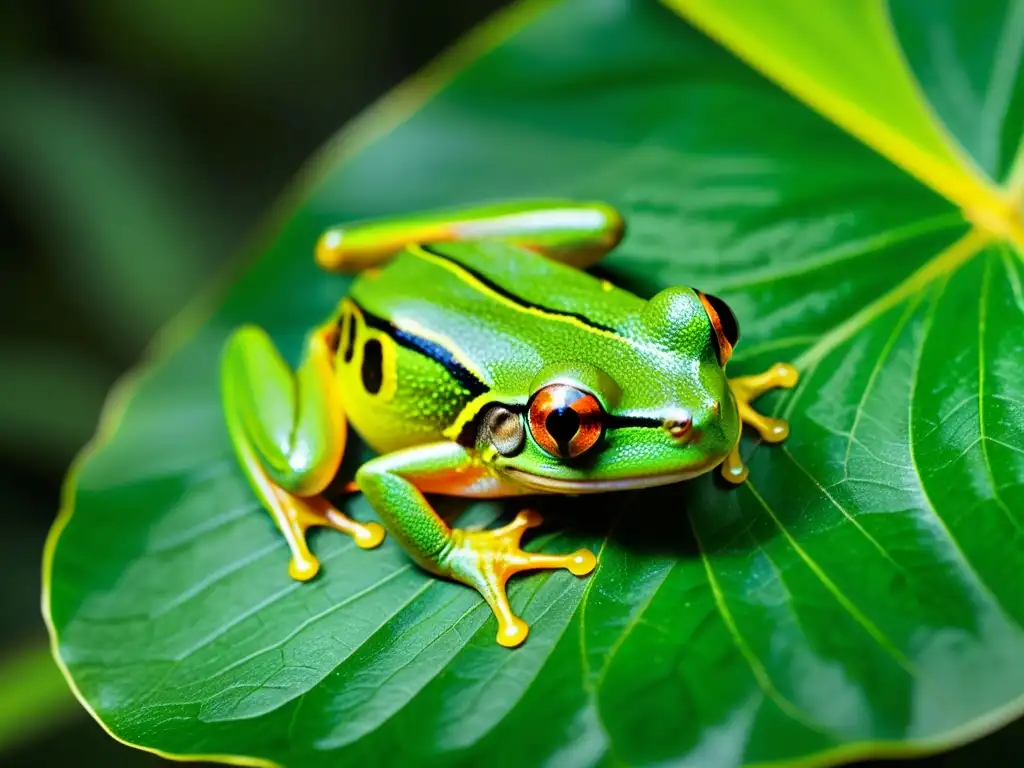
[[375, 122]]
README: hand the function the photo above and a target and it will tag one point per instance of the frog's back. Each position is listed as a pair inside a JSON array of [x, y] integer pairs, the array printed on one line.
[[473, 274], [442, 326]]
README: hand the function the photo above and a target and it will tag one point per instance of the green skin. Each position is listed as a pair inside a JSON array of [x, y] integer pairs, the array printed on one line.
[[472, 310]]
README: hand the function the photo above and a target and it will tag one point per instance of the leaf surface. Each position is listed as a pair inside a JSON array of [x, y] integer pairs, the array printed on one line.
[[857, 596]]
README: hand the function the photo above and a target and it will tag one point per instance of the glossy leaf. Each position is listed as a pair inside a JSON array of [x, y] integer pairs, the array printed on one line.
[[967, 58], [859, 595], [846, 61]]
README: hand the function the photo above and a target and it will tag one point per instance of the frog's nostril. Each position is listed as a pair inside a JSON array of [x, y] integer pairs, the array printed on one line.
[[700, 423]]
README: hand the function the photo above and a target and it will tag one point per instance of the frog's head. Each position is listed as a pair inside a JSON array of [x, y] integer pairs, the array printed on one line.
[[654, 410]]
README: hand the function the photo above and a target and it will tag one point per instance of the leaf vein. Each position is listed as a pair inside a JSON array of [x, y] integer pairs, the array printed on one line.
[[929, 505], [983, 300], [355, 597], [249, 612], [757, 668], [855, 613], [846, 514], [873, 377], [849, 251]]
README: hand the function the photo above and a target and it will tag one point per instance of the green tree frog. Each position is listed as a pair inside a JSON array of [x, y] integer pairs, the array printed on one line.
[[475, 355]]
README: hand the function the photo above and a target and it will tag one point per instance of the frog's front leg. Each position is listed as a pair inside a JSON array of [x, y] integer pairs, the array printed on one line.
[[288, 429], [744, 390], [394, 485]]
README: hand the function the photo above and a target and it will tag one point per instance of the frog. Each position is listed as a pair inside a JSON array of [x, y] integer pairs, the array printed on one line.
[[477, 356]]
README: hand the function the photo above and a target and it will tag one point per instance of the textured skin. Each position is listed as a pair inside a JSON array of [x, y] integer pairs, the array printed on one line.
[[657, 360], [427, 343]]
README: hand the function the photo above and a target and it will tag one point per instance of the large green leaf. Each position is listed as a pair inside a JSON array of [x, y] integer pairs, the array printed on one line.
[[859, 595]]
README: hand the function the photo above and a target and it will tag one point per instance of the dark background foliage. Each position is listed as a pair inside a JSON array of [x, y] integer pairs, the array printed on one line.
[[141, 143]]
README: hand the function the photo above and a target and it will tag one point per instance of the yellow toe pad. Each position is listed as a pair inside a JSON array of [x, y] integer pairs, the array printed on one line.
[[486, 560]]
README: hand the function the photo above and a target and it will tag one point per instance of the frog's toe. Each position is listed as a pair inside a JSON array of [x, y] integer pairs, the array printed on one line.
[[581, 562], [486, 560], [780, 375], [524, 519], [369, 535], [325, 514], [785, 375], [733, 468], [770, 429], [512, 631], [303, 568]]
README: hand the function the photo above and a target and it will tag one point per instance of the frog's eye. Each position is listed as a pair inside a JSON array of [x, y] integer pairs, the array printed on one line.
[[565, 421], [725, 331], [504, 430]]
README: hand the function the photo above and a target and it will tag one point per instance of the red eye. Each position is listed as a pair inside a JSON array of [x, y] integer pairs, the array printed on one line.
[[725, 331], [565, 421]]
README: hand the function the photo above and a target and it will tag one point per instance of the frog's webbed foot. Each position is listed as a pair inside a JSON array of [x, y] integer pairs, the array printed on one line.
[[748, 388], [301, 514], [486, 559]]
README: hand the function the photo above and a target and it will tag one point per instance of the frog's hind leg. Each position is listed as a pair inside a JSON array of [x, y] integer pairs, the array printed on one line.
[[748, 388], [575, 233], [288, 429]]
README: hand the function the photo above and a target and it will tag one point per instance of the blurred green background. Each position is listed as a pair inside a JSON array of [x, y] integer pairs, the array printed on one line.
[[142, 143]]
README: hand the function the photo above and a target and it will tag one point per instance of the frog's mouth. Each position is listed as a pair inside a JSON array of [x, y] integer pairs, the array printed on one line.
[[561, 485]]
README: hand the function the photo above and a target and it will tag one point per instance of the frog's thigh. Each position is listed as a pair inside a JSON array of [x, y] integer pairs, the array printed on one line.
[[294, 420], [575, 233], [484, 560], [288, 431]]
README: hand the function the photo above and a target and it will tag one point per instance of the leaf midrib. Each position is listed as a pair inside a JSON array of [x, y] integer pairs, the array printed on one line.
[[993, 207]]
